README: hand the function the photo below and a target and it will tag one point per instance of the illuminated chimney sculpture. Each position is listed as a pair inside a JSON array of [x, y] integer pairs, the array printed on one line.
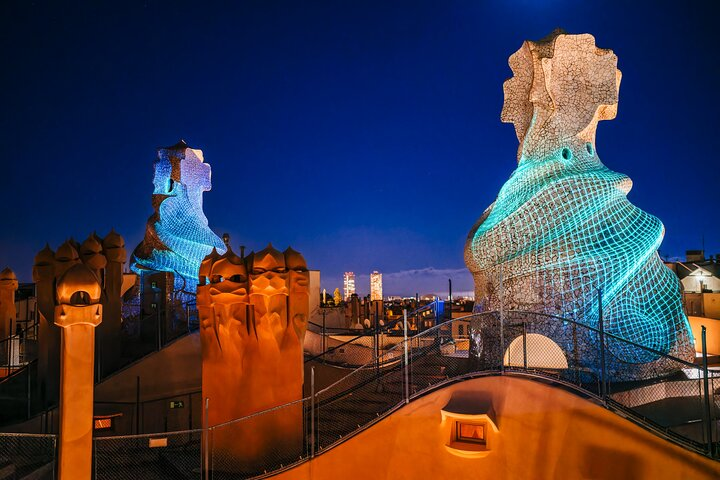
[[177, 235], [562, 228]]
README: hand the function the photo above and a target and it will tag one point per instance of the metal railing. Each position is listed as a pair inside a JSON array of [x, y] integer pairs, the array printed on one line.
[[19, 348], [28, 456], [168, 413], [174, 455], [149, 327], [367, 344], [674, 398]]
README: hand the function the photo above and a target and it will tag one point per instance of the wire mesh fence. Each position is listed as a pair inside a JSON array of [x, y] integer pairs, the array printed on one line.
[[259, 443], [27, 456], [358, 399], [350, 348], [673, 397], [16, 392], [436, 356], [179, 412], [548, 346], [175, 455], [151, 321], [355, 347]]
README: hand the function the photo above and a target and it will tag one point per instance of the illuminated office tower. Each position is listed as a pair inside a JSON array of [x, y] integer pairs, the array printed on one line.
[[376, 286], [348, 285]]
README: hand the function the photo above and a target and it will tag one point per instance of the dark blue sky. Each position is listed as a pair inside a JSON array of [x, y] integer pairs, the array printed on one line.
[[364, 134]]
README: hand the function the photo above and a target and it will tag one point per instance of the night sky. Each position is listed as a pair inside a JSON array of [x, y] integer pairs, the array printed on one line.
[[365, 134]]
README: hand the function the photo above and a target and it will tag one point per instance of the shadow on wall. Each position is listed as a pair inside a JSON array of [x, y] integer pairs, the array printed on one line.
[[621, 464], [616, 463]]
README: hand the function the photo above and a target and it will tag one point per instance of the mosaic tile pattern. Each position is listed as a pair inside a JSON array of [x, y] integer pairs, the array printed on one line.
[[177, 236], [562, 228]]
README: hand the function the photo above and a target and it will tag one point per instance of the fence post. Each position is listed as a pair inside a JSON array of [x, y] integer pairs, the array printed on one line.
[[603, 378], [576, 362], [207, 439], [28, 386], [187, 317], [708, 393], [525, 362], [405, 348], [502, 325], [159, 338], [324, 338], [137, 405], [10, 348], [312, 412], [377, 350]]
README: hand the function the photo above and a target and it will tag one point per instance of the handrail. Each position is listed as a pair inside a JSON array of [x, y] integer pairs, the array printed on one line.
[[596, 330], [333, 348], [432, 344], [384, 330], [261, 412], [372, 364], [147, 435], [28, 327], [28, 435], [436, 329], [427, 306], [328, 328], [359, 385], [20, 369]]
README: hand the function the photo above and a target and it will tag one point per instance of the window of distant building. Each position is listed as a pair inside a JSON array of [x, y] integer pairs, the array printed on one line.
[[461, 330]]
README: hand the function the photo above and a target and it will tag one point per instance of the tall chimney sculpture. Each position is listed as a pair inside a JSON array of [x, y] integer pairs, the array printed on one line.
[[75, 286], [177, 235], [78, 312], [113, 249], [8, 287], [253, 316], [562, 230], [104, 257]]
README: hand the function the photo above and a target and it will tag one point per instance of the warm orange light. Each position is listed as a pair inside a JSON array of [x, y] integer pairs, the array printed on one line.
[[103, 423], [467, 432], [253, 316], [157, 442], [469, 435]]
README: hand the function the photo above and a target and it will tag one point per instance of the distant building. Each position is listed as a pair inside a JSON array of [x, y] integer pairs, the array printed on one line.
[[700, 279], [694, 255], [348, 285], [376, 286]]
